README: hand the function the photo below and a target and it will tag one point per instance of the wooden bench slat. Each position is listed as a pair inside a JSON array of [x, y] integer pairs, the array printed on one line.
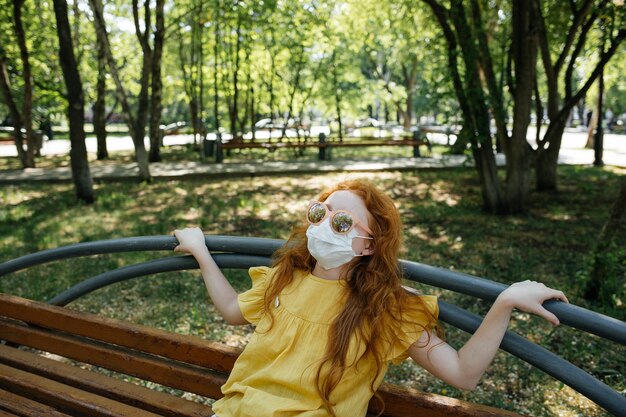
[[178, 375], [64, 397], [14, 405], [127, 393], [409, 402], [280, 145], [184, 348], [378, 143]]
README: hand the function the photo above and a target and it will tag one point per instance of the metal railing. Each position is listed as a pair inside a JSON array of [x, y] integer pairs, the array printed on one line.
[[243, 252]]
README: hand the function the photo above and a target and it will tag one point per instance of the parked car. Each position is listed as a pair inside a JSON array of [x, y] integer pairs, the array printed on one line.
[[6, 135], [369, 122], [618, 124], [268, 124], [173, 128]]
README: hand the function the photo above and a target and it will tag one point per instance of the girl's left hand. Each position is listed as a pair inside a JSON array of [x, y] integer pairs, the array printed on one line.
[[528, 296]]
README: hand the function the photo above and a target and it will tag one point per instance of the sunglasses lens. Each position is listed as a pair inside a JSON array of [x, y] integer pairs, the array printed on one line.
[[316, 213], [342, 222]]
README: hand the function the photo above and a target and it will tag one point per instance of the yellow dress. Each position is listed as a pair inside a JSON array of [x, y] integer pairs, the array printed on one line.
[[275, 376]]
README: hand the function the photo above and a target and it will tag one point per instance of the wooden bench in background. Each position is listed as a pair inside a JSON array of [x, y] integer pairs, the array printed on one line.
[[323, 144], [48, 351]]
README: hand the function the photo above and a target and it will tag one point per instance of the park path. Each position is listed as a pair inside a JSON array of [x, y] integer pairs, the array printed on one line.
[[572, 153]]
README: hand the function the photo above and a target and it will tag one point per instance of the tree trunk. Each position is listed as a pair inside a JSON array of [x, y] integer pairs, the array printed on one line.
[[546, 159], [76, 35], [591, 129], [485, 62], [488, 174], [157, 85], [598, 140], [202, 126], [27, 117], [234, 108], [81, 174], [337, 97], [243, 121], [295, 85], [138, 140], [143, 99], [194, 111], [410, 77], [516, 148], [99, 108], [408, 114], [477, 115], [601, 267], [16, 117], [219, 155], [271, 89], [216, 95], [188, 77]]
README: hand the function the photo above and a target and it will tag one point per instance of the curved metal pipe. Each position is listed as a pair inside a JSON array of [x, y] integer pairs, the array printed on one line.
[[516, 345], [155, 266], [543, 359], [577, 317], [569, 314], [245, 245]]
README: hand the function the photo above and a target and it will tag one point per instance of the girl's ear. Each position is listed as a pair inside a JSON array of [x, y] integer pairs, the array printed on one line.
[[369, 248]]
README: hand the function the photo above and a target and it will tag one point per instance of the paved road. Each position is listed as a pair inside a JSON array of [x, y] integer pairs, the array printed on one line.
[[572, 153]]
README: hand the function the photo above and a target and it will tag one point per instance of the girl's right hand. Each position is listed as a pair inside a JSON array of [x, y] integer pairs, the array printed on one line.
[[529, 296], [190, 239]]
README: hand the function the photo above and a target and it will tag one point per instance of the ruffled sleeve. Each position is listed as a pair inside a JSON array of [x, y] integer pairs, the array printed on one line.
[[421, 314], [251, 301]]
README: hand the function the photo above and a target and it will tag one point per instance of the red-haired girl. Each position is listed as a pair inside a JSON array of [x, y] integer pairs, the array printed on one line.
[[332, 313]]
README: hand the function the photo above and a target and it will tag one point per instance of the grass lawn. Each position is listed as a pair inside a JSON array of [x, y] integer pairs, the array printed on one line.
[[444, 227]]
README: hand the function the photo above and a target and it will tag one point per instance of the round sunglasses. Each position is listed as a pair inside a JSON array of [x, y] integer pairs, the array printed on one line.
[[341, 221]]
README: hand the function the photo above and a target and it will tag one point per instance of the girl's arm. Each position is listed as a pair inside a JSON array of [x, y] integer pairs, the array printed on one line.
[[464, 368], [222, 294]]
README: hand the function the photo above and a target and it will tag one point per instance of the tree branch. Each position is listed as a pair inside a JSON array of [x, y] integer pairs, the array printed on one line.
[[545, 49], [443, 17], [486, 64], [43, 87], [382, 78], [509, 70], [539, 114], [579, 16], [572, 6], [577, 49], [567, 106]]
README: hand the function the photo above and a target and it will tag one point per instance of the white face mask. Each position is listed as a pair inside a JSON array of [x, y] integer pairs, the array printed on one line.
[[330, 250]]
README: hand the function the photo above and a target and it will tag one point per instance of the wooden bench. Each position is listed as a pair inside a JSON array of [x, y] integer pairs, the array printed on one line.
[[48, 351], [324, 145]]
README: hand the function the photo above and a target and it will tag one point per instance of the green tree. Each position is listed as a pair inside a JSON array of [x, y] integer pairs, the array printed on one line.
[[394, 38], [135, 121], [473, 76], [559, 57], [471, 30], [21, 118], [75, 106], [156, 87]]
